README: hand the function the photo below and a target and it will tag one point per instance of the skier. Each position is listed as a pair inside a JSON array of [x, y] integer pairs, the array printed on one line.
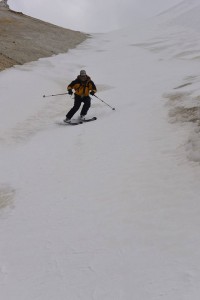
[[83, 86]]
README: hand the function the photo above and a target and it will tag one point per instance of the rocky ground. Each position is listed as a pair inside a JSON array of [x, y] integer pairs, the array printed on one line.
[[25, 39]]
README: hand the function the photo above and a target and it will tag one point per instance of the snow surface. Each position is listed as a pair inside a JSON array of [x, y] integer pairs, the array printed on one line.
[[109, 209]]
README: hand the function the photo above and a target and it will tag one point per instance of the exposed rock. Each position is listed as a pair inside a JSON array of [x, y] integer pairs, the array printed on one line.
[[25, 39], [3, 3]]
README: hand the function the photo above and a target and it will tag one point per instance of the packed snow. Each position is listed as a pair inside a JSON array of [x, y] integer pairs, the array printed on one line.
[[109, 209]]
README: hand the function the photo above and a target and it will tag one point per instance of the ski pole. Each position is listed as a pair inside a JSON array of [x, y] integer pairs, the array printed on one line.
[[54, 95], [104, 102]]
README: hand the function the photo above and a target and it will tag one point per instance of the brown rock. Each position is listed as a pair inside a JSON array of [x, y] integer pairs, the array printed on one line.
[[24, 39]]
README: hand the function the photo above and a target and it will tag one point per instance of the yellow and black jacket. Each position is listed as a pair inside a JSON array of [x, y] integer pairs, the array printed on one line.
[[82, 88]]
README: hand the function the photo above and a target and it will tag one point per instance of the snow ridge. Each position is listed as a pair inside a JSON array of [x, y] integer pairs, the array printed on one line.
[[179, 9]]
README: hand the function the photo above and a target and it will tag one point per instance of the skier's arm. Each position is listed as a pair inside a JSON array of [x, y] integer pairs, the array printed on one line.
[[93, 90], [71, 86]]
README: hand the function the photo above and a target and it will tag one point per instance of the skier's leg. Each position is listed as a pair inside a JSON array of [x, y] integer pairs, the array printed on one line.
[[86, 105], [75, 108]]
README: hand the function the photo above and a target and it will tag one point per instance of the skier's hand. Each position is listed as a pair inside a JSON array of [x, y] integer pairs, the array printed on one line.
[[70, 92], [92, 93]]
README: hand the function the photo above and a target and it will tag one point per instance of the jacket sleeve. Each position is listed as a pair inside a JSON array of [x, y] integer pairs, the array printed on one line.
[[93, 87], [71, 85]]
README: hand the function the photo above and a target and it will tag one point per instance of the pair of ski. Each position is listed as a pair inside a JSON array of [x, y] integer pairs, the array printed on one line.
[[78, 122]]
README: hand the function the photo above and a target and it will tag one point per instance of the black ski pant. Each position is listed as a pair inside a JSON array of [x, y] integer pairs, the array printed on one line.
[[77, 103]]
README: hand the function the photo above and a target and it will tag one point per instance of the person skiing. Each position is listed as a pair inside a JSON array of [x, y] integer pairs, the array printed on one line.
[[83, 87]]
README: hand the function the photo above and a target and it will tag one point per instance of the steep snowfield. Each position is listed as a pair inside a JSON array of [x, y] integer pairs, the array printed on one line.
[[110, 209]]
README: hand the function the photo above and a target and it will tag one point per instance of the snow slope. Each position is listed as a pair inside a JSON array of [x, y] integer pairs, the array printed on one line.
[[109, 209]]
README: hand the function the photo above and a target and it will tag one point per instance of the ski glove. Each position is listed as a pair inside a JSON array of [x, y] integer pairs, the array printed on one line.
[[70, 92], [92, 93]]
